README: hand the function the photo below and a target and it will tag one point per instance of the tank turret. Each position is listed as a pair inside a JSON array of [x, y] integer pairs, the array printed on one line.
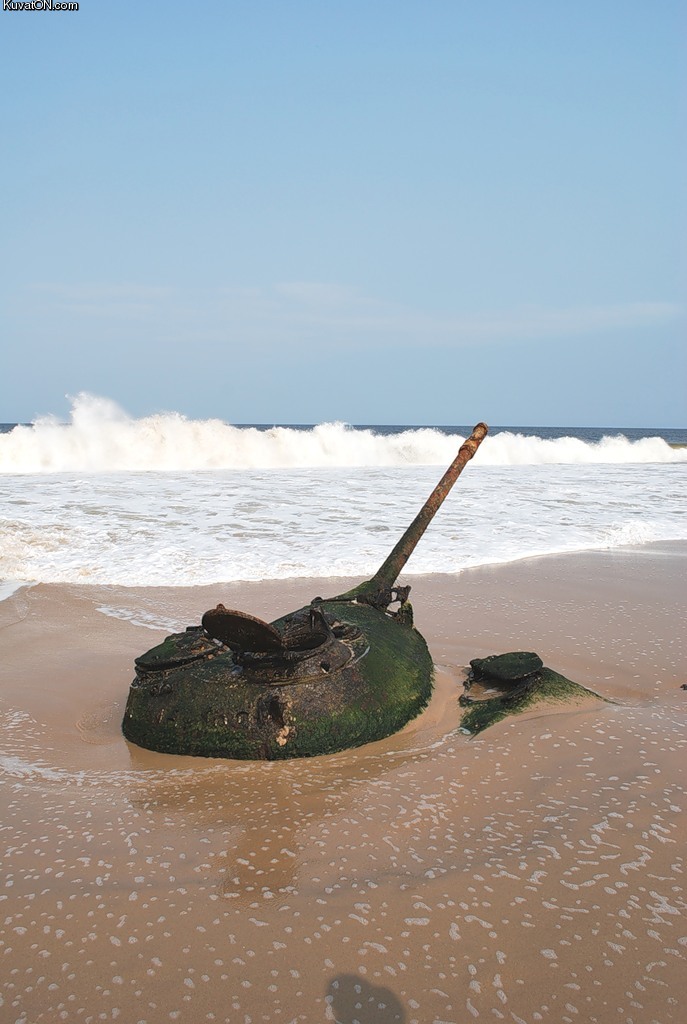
[[337, 673]]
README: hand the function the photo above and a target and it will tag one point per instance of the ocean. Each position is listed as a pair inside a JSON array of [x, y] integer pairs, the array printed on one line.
[[170, 501]]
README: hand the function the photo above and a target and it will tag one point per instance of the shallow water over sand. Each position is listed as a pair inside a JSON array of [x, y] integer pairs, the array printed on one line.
[[535, 873]]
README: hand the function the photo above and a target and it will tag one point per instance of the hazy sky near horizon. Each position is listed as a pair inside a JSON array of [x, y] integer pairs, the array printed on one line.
[[373, 212]]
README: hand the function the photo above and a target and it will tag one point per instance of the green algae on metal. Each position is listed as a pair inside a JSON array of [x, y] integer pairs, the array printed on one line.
[[542, 688], [206, 707]]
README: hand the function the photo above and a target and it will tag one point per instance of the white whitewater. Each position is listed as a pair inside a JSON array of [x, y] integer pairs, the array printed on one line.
[[100, 437], [166, 501]]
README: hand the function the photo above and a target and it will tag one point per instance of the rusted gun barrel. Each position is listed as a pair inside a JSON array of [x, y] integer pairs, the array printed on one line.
[[377, 590]]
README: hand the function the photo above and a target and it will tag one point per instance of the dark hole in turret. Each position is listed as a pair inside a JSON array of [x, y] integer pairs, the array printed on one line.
[[325, 666], [309, 643], [271, 708]]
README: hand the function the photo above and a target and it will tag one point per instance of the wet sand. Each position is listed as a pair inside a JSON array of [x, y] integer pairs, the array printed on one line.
[[534, 873]]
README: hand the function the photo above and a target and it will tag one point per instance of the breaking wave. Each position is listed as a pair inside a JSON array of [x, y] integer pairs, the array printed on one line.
[[100, 438]]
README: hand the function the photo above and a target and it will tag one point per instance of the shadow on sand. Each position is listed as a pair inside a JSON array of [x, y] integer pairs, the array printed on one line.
[[353, 1000]]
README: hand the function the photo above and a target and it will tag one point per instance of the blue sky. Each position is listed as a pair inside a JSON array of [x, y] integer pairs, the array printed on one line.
[[377, 212]]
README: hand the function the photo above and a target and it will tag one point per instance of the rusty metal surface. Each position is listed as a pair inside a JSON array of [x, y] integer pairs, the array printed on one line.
[[240, 630], [378, 591]]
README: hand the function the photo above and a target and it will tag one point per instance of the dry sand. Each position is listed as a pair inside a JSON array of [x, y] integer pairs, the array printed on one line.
[[535, 873]]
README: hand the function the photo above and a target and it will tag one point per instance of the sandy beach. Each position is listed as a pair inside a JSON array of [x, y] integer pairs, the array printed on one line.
[[534, 873]]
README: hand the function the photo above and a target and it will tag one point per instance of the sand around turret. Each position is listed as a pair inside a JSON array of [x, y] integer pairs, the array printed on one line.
[[533, 872]]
